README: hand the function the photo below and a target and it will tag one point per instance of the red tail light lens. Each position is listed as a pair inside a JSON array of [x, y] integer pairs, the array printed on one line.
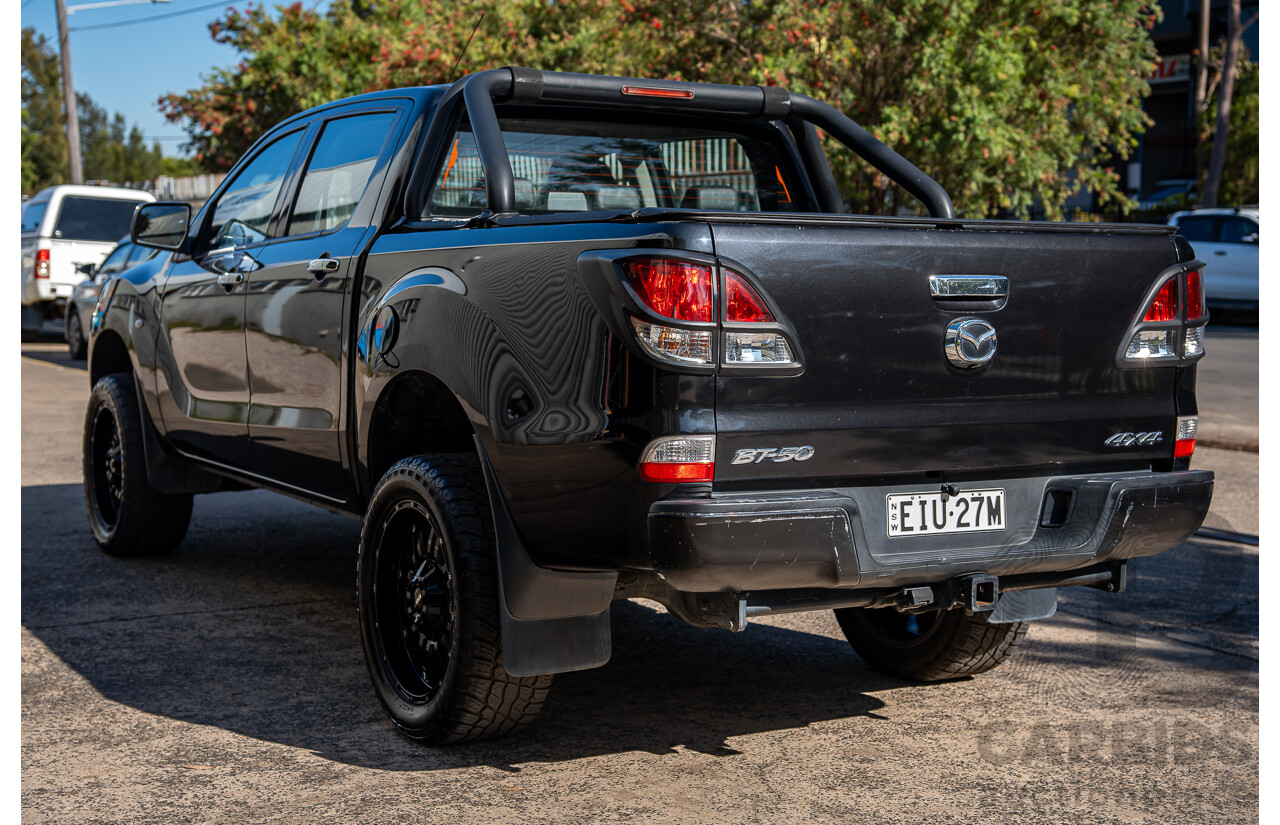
[[1164, 307], [1185, 440], [42, 263], [1195, 295], [742, 303], [679, 458], [675, 289]]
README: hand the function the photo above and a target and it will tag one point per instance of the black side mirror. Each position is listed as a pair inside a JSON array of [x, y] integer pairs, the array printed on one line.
[[161, 225], [87, 270]]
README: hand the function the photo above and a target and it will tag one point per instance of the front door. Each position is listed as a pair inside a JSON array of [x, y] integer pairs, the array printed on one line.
[[296, 310], [204, 386]]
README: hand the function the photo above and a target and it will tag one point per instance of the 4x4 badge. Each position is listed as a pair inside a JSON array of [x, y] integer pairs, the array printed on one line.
[[1134, 439]]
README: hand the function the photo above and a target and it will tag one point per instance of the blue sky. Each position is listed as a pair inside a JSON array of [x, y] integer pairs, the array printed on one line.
[[127, 68]]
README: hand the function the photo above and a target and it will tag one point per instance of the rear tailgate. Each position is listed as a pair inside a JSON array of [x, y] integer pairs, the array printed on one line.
[[878, 396]]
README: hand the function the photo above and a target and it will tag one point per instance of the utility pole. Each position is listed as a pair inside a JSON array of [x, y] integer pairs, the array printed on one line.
[[69, 96], [1202, 59]]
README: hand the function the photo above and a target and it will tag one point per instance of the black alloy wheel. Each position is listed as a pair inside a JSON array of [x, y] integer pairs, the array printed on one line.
[[415, 601], [428, 599], [107, 465]]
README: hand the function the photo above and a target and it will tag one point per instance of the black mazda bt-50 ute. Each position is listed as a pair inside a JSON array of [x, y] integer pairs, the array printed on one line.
[[562, 339]]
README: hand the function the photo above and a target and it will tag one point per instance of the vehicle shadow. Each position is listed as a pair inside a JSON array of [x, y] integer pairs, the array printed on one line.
[[54, 355], [251, 627]]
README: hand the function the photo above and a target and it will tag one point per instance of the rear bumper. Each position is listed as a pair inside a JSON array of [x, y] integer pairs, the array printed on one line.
[[836, 538]]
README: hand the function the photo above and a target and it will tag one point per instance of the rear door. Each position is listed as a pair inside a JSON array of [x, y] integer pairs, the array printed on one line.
[[296, 302], [878, 395], [204, 385]]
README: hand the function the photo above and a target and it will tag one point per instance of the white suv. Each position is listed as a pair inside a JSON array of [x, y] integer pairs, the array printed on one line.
[[64, 227], [1227, 241]]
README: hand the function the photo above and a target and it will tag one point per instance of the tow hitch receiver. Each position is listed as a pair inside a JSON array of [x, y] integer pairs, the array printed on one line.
[[980, 592]]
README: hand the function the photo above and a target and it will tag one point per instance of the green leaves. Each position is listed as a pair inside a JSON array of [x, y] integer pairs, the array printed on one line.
[[1010, 105]]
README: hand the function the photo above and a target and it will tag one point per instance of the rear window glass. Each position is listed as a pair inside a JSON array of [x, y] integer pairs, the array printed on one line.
[[93, 219], [32, 214], [1197, 228], [589, 166]]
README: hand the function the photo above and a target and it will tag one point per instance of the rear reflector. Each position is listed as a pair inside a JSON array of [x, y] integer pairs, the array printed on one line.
[[674, 345], [1164, 307], [679, 458], [677, 290], [42, 263], [742, 304], [1152, 343], [1195, 296], [1185, 444], [653, 91]]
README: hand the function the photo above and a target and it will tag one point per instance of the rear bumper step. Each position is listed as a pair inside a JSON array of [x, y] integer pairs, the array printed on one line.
[[837, 538]]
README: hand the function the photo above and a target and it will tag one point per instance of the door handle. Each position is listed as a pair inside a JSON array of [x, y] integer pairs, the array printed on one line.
[[1219, 252], [323, 266], [231, 279]]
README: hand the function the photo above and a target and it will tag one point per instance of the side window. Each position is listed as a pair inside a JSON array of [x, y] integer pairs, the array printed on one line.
[[243, 211], [1234, 229], [339, 168], [1202, 228], [115, 262]]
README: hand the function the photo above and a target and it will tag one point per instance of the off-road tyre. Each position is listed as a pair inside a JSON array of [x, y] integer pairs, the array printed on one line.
[[928, 647], [77, 345], [427, 596], [128, 516]]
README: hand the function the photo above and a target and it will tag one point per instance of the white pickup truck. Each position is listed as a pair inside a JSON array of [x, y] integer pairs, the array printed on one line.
[[63, 227]]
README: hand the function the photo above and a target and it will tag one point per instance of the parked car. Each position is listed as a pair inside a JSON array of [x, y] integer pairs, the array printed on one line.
[[521, 327], [62, 227], [84, 297], [1174, 191], [1227, 239]]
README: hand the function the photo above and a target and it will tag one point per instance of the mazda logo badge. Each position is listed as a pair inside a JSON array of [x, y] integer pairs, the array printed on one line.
[[970, 342]]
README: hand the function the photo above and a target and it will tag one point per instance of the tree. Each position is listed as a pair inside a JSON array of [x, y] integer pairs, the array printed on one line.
[[1239, 181], [1010, 105], [111, 150], [1222, 127]]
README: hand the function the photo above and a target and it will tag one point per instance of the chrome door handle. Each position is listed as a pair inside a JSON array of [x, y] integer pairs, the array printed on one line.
[[230, 279], [323, 266]]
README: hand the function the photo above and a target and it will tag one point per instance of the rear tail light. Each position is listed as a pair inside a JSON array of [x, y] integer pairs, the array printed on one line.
[[1163, 331], [42, 263], [674, 289], [742, 304], [680, 458], [1164, 307], [688, 293], [1185, 444]]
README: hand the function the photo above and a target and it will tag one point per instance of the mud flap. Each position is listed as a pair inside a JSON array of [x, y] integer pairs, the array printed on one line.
[[552, 621], [1024, 606]]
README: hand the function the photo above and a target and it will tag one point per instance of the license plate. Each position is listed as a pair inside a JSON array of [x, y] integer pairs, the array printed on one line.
[[932, 514]]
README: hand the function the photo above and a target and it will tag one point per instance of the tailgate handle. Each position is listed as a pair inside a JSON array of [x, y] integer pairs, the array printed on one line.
[[968, 286]]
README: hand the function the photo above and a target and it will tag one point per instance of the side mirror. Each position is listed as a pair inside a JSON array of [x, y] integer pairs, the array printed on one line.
[[161, 225], [1252, 237], [87, 270]]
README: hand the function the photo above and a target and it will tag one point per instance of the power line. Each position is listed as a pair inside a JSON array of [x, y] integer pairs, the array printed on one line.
[[223, 4]]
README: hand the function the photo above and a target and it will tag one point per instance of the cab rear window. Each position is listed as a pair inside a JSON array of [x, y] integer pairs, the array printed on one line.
[[591, 166], [93, 219]]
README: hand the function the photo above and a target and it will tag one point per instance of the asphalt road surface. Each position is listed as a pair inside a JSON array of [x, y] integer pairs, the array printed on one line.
[[225, 684]]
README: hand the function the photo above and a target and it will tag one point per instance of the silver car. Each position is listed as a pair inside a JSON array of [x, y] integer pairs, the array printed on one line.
[[84, 297]]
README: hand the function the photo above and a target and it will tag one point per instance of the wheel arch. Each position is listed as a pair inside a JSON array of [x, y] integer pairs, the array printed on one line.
[[415, 413], [108, 354]]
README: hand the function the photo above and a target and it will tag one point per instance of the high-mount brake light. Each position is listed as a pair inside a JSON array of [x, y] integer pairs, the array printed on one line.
[[742, 304], [1185, 443], [654, 91], [42, 263], [679, 458]]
